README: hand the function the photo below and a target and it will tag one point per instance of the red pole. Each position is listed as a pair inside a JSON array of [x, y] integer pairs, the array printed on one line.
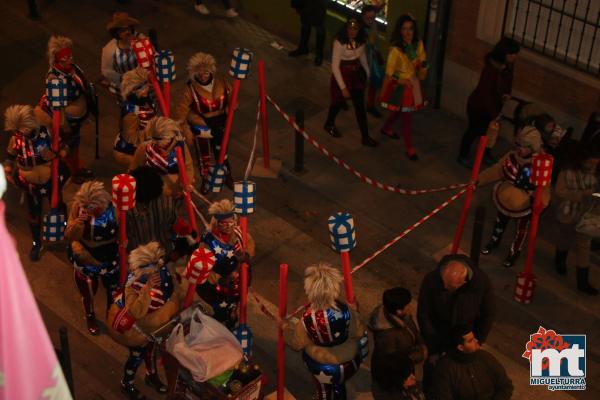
[[244, 294], [467, 204], [55, 160], [244, 228], [347, 271], [183, 178], [283, 272], [262, 90], [189, 296], [167, 97], [122, 247], [533, 229], [159, 96], [232, 104]]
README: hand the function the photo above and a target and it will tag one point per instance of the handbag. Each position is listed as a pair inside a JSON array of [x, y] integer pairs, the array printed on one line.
[[589, 224]]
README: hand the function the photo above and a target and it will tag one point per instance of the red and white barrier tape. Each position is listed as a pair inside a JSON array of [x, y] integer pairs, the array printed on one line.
[[409, 229], [349, 168]]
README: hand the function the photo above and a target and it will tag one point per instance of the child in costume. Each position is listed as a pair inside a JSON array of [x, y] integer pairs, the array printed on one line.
[[514, 190], [159, 153], [401, 94], [150, 300], [224, 239], [117, 56], [92, 235], [202, 109], [79, 102], [330, 335], [28, 166], [137, 109]]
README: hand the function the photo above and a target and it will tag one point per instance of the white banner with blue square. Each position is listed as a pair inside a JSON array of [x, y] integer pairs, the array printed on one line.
[[217, 178], [57, 92], [240, 63], [244, 197], [341, 232], [164, 63]]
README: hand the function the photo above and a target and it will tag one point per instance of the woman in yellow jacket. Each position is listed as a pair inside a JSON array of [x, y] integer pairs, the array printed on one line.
[[401, 94]]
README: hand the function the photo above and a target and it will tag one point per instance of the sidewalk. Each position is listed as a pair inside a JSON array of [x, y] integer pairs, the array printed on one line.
[[290, 222]]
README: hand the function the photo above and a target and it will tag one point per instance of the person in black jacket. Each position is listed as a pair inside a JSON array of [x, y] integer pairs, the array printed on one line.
[[468, 373], [312, 13], [455, 293]]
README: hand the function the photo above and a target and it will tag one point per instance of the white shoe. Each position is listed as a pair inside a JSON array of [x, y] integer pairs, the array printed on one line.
[[231, 13], [201, 8]]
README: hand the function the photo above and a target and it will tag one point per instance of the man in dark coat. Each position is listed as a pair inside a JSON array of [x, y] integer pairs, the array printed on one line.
[[312, 13], [468, 373], [395, 333], [455, 293]]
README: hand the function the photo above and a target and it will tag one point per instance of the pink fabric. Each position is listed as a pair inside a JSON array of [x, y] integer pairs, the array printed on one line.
[[29, 368]]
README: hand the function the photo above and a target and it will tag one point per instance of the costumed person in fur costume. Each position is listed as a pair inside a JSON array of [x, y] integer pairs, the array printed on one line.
[[117, 56], [202, 109], [329, 333], [159, 153], [137, 108], [92, 235], [80, 102], [28, 166], [150, 300], [513, 191], [224, 239]]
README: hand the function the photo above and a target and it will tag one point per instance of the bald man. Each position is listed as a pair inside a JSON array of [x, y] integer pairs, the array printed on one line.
[[455, 293]]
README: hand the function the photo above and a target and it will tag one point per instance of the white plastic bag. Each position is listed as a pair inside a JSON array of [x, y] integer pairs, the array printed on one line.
[[208, 350]]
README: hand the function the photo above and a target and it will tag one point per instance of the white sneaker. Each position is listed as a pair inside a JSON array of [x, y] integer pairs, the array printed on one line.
[[231, 13], [201, 8]]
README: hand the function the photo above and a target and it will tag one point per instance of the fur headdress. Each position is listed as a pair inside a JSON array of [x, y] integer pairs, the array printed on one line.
[[201, 62], [93, 195], [148, 255], [55, 44], [322, 285], [19, 117], [220, 209], [133, 79], [530, 137], [162, 130]]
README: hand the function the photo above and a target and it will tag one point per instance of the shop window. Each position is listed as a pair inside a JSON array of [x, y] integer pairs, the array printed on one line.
[[357, 5]]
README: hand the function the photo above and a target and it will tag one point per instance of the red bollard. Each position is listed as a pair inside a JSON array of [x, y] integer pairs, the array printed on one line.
[[244, 229], [123, 197], [243, 294], [541, 174], [185, 183], [283, 272], [347, 271], [232, 105], [262, 90], [467, 204]]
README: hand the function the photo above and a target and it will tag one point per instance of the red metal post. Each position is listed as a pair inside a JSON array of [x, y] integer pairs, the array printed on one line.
[[244, 294], [347, 271], [232, 105], [467, 204], [55, 160], [122, 247], [183, 179], [244, 228], [262, 90], [283, 272], [159, 95], [189, 296], [533, 229]]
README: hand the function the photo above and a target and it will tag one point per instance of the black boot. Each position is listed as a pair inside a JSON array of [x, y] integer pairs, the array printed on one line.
[[583, 283], [490, 246], [131, 392], [511, 259], [92, 324], [154, 382], [303, 46], [560, 261], [332, 130]]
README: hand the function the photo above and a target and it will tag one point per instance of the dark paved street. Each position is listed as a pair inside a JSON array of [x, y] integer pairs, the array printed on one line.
[[290, 222]]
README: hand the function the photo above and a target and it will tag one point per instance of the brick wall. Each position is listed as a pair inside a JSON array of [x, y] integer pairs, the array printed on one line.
[[536, 78]]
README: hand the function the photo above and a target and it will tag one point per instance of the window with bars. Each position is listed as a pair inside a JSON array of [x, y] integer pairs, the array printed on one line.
[[565, 30]]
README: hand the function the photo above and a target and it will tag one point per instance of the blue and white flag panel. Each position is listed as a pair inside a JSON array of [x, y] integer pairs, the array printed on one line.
[[240, 63], [244, 197], [57, 92], [341, 232]]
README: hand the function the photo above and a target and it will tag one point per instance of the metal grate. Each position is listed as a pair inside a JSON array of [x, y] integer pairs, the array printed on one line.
[[565, 30]]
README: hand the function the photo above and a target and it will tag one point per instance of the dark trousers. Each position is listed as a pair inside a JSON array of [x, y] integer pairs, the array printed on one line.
[[478, 124], [358, 100], [137, 355], [305, 37], [522, 227]]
